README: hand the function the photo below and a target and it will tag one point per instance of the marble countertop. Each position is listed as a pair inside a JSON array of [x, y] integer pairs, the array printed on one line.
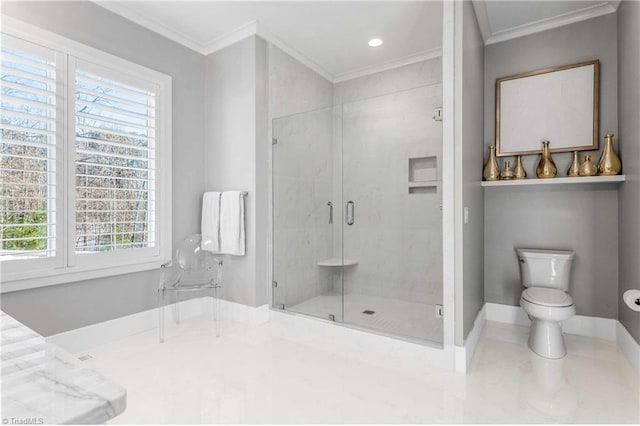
[[41, 383]]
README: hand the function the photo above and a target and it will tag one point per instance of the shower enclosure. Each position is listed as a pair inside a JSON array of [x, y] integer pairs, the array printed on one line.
[[357, 220]]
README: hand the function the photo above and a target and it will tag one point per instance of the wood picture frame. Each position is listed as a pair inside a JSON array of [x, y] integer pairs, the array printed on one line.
[[558, 104]]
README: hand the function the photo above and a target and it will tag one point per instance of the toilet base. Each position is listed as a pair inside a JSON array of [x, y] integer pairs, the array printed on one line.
[[546, 340]]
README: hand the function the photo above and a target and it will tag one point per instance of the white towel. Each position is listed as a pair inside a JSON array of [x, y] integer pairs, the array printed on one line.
[[232, 223], [210, 225]]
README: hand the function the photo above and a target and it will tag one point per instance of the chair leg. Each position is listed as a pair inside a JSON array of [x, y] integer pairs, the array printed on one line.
[[176, 308], [161, 295], [216, 309]]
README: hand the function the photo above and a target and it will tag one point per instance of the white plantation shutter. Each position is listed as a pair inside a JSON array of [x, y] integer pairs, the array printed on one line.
[[115, 161], [28, 151], [85, 162]]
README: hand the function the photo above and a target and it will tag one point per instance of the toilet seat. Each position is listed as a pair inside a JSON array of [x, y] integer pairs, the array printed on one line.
[[543, 296]]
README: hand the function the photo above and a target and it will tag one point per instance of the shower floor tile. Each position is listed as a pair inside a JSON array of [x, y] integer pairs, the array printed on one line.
[[415, 321]]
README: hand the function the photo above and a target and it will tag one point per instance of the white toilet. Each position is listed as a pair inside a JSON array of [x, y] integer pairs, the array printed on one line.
[[546, 276]]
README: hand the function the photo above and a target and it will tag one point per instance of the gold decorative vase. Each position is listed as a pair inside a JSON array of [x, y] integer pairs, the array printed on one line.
[[546, 167], [587, 168], [609, 164], [520, 172], [574, 170], [507, 173], [491, 170]]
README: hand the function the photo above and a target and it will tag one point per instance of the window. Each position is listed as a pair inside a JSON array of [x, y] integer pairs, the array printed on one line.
[[84, 162]]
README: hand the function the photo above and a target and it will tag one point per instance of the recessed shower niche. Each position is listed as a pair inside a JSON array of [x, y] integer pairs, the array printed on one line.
[[423, 175]]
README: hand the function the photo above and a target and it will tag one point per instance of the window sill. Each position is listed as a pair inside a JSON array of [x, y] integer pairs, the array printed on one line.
[[75, 274]]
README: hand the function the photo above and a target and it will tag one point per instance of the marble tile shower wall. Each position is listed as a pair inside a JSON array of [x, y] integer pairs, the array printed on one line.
[[302, 184], [302, 177], [397, 235], [293, 87], [420, 74]]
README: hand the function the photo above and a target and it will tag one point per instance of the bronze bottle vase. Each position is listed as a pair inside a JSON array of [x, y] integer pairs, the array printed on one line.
[[491, 170], [507, 173], [587, 168], [609, 164], [520, 172], [546, 167], [574, 170]]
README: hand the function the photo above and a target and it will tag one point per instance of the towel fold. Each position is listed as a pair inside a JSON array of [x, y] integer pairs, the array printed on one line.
[[232, 223], [210, 225]]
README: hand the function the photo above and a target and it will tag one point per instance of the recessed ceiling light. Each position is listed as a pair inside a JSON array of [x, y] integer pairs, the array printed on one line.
[[375, 42]]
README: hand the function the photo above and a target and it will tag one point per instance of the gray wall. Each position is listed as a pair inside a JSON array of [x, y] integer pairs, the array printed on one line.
[[629, 149], [59, 308], [231, 131], [581, 218], [263, 145], [472, 152]]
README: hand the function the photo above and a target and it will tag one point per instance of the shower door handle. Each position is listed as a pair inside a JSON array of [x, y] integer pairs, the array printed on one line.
[[351, 213], [330, 204]]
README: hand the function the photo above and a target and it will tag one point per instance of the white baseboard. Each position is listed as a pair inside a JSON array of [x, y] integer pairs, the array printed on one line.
[[244, 314], [83, 338], [628, 346], [364, 343], [601, 328], [464, 354]]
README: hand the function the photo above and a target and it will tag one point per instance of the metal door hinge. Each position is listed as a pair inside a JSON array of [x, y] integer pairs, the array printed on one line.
[[274, 141], [439, 311], [437, 114], [332, 317], [279, 306], [274, 284]]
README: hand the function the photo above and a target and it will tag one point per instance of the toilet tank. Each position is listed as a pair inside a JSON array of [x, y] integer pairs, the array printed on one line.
[[545, 268]]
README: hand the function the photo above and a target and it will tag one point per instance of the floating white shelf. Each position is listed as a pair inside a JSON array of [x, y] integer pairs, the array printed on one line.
[[337, 262], [556, 181]]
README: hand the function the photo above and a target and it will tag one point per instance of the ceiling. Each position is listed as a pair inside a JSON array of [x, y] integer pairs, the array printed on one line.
[[329, 36], [504, 20]]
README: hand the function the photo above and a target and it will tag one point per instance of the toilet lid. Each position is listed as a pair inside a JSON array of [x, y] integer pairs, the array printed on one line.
[[547, 296]]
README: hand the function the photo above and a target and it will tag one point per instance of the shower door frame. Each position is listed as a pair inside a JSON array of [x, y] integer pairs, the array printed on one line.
[[451, 188]]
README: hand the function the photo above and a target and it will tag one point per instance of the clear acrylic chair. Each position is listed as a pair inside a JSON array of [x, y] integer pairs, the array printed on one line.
[[192, 269]]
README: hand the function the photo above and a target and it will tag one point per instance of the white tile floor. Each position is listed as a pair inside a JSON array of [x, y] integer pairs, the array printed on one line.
[[268, 374], [416, 321]]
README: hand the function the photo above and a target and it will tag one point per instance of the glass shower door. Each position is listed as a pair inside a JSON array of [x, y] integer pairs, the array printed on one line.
[[392, 232], [307, 216]]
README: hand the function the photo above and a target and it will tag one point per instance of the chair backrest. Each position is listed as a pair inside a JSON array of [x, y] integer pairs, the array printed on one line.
[[191, 257]]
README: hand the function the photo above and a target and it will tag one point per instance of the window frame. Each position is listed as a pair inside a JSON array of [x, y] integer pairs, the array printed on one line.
[[67, 267]]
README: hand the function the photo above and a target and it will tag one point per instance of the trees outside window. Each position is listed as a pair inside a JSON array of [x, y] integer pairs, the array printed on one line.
[[84, 160]]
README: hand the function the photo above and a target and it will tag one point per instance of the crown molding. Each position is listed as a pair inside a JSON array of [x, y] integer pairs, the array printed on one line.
[[482, 16], [406, 60], [615, 4], [268, 36], [247, 30], [151, 24], [550, 23]]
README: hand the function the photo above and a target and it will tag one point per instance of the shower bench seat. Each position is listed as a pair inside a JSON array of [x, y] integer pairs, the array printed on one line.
[[337, 262]]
